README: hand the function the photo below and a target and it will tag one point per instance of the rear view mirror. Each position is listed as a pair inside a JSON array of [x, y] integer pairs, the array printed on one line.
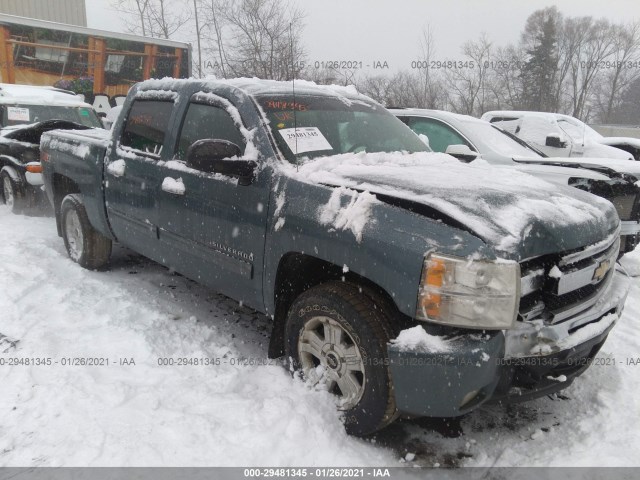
[[216, 156], [462, 153], [555, 140]]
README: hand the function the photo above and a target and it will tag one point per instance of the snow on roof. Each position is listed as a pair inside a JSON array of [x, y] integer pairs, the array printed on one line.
[[38, 95], [440, 114], [256, 86]]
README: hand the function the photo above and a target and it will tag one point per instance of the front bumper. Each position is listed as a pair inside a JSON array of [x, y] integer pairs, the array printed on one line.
[[526, 362]]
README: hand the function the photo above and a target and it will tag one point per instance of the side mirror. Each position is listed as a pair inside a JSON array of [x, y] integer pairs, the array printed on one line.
[[555, 140], [462, 153], [214, 156]]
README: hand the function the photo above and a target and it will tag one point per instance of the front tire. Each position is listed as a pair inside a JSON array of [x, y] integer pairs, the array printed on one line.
[[337, 337], [84, 244], [13, 193]]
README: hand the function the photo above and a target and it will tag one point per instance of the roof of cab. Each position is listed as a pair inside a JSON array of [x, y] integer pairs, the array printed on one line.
[[256, 86]]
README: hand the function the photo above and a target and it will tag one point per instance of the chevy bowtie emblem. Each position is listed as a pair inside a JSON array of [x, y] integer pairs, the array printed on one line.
[[602, 270]]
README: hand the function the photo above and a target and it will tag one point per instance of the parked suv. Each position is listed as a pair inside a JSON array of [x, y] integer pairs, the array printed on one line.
[[25, 113], [468, 139]]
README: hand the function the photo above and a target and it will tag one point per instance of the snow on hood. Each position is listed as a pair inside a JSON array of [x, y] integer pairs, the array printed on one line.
[[503, 207]]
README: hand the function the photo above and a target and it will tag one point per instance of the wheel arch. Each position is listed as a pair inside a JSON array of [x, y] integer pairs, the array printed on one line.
[[61, 186], [298, 272]]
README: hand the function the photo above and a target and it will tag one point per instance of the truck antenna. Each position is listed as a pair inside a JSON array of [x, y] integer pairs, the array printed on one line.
[[293, 87]]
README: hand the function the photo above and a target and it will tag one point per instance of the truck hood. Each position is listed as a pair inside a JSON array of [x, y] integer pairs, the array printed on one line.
[[516, 214]]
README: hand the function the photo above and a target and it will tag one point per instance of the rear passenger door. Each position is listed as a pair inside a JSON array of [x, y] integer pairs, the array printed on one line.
[[213, 227], [131, 175]]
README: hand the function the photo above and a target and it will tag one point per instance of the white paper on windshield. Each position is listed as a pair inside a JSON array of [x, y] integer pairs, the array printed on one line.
[[305, 139], [18, 114]]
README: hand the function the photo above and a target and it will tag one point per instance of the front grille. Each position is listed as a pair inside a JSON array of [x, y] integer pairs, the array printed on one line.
[[567, 284]]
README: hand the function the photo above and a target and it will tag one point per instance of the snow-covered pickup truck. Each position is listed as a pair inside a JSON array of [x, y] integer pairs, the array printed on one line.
[[468, 139], [403, 283], [25, 113]]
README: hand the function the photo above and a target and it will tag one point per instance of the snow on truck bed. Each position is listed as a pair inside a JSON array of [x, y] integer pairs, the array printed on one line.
[[243, 415]]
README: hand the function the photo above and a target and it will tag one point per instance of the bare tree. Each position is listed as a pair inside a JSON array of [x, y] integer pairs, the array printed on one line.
[[154, 18], [618, 75], [469, 87], [134, 13], [260, 38]]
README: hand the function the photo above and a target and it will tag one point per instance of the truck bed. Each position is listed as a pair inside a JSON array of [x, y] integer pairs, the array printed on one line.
[[79, 156]]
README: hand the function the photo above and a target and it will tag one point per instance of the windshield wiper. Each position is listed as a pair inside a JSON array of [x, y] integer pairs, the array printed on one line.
[[520, 141]]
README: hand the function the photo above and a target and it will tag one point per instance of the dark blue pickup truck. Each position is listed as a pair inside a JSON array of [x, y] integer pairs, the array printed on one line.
[[400, 280]]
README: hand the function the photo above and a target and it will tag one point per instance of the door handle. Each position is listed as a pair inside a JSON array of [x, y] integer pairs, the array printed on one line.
[[173, 186], [117, 168]]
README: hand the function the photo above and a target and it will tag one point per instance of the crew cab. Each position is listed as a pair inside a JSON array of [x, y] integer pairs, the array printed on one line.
[[468, 138], [559, 135], [400, 280], [26, 112]]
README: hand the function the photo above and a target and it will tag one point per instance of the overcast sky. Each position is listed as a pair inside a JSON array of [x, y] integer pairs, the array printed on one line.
[[389, 30]]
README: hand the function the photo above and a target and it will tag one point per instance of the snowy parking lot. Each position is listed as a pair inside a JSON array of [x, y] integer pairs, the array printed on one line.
[[144, 401]]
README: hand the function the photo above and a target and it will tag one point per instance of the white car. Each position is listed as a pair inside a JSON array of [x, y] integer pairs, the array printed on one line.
[[560, 135], [468, 139]]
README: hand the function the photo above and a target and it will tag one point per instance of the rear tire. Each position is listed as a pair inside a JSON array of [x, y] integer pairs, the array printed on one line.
[[13, 193], [84, 244], [337, 337]]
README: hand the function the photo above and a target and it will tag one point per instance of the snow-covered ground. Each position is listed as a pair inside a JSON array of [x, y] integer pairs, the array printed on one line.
[[240, 414]]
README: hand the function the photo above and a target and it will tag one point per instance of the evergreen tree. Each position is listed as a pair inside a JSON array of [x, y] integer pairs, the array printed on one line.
[[539, 71]]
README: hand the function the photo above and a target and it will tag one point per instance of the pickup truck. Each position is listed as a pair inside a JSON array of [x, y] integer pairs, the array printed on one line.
[[400, 280], [559, 135]]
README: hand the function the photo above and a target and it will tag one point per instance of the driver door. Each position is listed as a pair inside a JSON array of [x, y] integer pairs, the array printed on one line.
[[213, 227]]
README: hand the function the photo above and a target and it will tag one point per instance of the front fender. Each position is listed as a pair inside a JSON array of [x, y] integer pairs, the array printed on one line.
[[358, 233]]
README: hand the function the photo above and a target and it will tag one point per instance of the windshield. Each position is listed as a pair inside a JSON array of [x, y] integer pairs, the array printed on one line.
[[24, 114], [500, 141], [318, 126], [578, 130]]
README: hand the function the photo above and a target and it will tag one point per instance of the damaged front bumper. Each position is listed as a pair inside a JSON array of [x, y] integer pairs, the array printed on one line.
[[531, 360]]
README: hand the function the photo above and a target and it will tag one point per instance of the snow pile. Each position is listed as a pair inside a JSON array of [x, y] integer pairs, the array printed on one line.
[[417, 339], [631, 262], [354, 216], [172, 185], [117, 168]]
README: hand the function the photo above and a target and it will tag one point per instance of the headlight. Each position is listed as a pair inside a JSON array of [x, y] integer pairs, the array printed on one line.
[[469, 293]]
